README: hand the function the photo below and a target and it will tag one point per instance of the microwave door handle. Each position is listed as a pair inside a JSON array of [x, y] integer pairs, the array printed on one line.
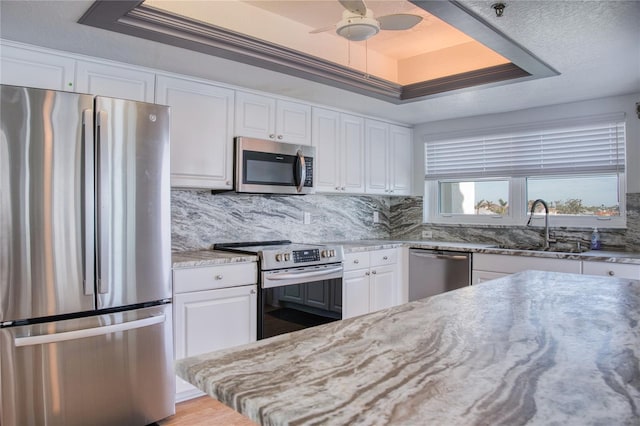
[[302, 171]]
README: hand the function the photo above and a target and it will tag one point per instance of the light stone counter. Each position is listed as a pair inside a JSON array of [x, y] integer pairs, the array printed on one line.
[[594, 255], [533, 348], [196, 258]]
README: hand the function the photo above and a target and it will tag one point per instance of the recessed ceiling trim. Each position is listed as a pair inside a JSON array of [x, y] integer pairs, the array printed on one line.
[[489, 75], [136, 19]]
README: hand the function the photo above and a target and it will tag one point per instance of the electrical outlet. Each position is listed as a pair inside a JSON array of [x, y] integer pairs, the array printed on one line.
[[376, 217], [306, 218], [427, 234]]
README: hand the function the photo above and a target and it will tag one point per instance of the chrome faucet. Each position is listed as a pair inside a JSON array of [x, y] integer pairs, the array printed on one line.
[[546, 219]]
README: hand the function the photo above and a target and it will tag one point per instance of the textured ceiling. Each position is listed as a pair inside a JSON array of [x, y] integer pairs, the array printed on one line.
[[595, 45]]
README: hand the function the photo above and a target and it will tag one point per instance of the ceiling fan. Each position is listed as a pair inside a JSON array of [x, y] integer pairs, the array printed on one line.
[[358, 22]]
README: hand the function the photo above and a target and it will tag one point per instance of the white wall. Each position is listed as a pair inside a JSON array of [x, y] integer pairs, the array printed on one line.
[[615, 104]]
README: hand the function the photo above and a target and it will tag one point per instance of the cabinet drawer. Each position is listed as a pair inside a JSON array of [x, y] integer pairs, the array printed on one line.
[[607, 269], [510, 264], [356, 261], [213, 277], [384, 257]]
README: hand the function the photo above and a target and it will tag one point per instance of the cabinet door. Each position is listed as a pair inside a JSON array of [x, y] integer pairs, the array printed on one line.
[[355, 290], [293, 122], [401, 160], [353, 153], [24, 67], [201, 132], [115, 81], [326, 139], [377, 136], [211, 320], [384, 287], [255, 116]]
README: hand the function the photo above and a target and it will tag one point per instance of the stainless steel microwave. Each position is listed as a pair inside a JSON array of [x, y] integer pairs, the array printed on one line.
[[268, 167]]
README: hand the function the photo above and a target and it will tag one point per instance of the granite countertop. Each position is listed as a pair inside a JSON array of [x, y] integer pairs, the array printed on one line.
[[195, 258], [595, 255], [531, 348]]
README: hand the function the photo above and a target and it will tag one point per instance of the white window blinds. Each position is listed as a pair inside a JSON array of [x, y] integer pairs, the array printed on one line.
[[593, 145]]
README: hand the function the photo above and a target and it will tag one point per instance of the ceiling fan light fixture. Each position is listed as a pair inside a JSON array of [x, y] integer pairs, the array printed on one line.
[[358, 28]]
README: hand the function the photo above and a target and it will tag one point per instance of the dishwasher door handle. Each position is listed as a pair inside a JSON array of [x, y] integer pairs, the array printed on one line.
[[452, 256], [441, 256]]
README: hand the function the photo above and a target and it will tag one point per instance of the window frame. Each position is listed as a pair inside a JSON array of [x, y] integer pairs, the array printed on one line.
[[518, 214]]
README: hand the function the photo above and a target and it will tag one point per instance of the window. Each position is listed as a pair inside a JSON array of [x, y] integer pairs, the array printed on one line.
[[576, 166]]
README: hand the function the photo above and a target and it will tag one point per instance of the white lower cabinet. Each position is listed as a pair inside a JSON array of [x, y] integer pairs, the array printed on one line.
[[490, 266], [370, 282], [607, 269], [213, 319]]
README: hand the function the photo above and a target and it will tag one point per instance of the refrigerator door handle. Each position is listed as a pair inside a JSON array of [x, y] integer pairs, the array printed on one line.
[[88, 332], [89, 202], [102, 252]]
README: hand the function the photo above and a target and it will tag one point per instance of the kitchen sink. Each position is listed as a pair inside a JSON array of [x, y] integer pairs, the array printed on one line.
[[552, 249]]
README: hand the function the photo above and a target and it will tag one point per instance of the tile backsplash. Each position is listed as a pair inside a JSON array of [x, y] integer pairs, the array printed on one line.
[[200, 219], [406, 224]]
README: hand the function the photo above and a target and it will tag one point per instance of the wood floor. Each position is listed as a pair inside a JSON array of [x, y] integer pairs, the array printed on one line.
[[205, 411]]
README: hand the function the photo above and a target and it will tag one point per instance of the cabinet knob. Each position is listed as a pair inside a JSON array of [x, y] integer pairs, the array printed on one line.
[[342, 188], [356, 261], [279, 136], [252, 291], [373, 272], [611, 273], [367, 273], [272, 136], [385, 258], [227, 183], [218, 277], [337, 188]]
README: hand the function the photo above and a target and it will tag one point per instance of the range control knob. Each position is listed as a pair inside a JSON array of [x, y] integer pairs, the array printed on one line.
[[324, 253], [279, 257], [287, 257], [332, 253]]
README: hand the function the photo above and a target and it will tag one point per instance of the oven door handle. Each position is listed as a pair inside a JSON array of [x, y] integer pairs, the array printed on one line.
[[304, 274]]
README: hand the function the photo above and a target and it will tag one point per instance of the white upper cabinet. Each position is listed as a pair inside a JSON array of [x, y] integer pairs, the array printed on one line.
[[201, 132], [116, 81], [268, 118], [400, 160], [339, 142], [32, 68], [389, 158]]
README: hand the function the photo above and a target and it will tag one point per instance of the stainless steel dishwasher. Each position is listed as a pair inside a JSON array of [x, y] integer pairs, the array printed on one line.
[[436, 271]]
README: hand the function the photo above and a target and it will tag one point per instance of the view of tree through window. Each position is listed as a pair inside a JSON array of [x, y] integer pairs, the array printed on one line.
[[486, 197], [580, 196]]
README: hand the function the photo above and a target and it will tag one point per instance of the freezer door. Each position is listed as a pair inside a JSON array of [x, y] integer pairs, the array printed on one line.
[[46, 203], [134, 229], [114, 369]]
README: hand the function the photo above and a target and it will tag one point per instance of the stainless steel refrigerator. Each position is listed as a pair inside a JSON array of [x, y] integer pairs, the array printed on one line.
[[85, 273]]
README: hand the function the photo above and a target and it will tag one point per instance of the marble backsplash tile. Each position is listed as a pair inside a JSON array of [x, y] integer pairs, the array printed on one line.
[[406, 224], [200, 218]]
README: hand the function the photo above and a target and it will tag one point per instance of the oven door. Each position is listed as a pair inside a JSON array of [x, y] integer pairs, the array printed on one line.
[[298, 298], [273, 167]]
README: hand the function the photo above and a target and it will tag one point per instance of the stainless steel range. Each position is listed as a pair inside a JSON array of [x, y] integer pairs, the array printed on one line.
[[300, 285]]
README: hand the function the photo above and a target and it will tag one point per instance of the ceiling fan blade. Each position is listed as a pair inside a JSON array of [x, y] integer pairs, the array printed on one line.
[[354, 6], [400, 21], [323, 29]]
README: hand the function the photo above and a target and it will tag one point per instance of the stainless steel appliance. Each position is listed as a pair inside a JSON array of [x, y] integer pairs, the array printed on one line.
[[264, 166], [85, 273], [435, 271], [300, 285]]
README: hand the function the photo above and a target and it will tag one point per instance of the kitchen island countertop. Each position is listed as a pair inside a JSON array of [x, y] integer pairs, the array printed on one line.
[[530, 348]]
